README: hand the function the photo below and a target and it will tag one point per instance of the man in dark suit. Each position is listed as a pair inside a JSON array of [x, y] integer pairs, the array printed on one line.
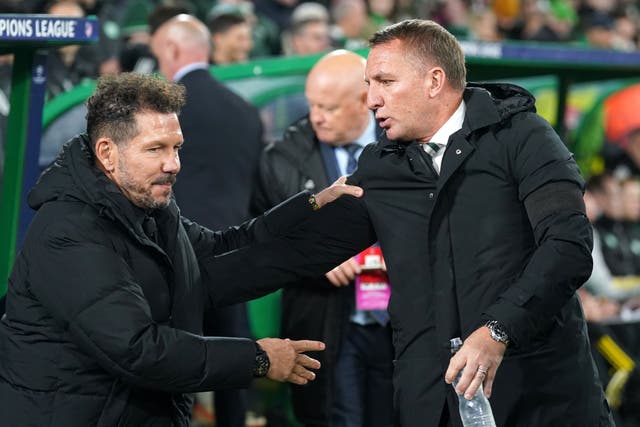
[[354, 387], [220, 161], [478, 207]]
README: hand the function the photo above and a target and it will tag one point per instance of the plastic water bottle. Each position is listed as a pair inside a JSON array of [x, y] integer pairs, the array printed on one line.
[[477, 411]]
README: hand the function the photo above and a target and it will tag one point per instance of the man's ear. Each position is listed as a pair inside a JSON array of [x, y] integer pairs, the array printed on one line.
[[436, 81], [106, 152]]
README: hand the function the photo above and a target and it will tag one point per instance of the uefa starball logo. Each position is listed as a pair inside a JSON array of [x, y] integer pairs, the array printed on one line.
[[88, 29]]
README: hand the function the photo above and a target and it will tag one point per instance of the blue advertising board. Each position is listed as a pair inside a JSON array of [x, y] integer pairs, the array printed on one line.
[[47, 28]]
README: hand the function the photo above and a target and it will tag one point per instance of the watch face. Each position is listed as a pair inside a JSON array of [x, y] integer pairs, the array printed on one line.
[[497, 333]]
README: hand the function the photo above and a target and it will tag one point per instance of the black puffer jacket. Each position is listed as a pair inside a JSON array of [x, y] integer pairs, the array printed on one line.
[[102, 324]]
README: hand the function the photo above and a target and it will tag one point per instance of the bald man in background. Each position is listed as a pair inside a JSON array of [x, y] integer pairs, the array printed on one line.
[[354, 388], [220, 161]]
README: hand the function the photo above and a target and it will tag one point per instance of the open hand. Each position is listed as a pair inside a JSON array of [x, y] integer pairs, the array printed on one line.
[[337, 189], [287, 361]]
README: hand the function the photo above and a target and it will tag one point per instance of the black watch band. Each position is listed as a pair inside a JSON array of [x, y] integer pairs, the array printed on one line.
[[262, 364], [498, 333]]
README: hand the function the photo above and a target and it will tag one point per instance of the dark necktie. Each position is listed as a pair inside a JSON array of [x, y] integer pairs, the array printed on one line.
[[352, 162], [432, 148]]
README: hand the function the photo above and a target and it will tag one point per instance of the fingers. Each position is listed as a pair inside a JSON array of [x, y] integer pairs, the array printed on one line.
[[342, 187], [297, 379], [307, 345], [337, 277], [343, 274], [307, 362], [488, 382], [351, 190], [351, 268], [479, 357], [456, 364], [301, 373], [476, 382]]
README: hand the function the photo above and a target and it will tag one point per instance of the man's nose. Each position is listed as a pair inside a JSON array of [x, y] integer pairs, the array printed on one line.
[[374, 101], [316, 115], [172, 164]]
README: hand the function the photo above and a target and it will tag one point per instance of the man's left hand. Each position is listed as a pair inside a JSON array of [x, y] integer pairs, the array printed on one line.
[[480, 356], [337, 189]]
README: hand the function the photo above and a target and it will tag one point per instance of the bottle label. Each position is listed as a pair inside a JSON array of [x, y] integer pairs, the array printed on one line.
[[372, 285]]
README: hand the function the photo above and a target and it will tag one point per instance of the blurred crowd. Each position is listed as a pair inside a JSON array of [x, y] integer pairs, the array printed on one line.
[[242, 30], [249, 29]]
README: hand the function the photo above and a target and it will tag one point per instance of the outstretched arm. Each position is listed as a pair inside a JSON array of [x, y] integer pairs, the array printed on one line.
[[335, 233]]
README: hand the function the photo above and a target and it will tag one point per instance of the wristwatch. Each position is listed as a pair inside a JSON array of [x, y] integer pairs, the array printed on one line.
[[261, 367], [498, 333]]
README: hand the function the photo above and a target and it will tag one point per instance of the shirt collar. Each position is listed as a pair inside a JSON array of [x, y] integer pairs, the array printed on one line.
[[189, 68], [451, 126]]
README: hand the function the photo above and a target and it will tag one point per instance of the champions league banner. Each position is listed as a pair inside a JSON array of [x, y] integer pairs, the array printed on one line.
[[47, 28]]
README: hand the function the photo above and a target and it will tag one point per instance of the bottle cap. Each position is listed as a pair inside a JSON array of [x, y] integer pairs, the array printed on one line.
[[456, 343]]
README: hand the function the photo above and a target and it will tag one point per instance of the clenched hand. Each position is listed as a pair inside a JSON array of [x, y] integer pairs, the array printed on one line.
[[480, 356]]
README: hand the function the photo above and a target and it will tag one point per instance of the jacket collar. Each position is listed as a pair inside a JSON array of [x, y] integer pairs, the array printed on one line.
[[492, 103]]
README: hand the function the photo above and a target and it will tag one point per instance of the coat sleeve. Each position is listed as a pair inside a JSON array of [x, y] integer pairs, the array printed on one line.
[[91, 293], [550, 187], [272, 223], [331, 235]]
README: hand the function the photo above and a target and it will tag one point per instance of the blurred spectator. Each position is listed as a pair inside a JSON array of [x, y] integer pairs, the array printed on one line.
[[484, 26], [538, 23], [68, 65], [17, 6], [349, 22], [609, 226], [598, 29], [354, 386], [230, 38], [165, 11], [380, 13], [454, 16], [507, 14], [265, 33], [309, 32], [626, 30], [277, 11], [596, 292], [135, 54]]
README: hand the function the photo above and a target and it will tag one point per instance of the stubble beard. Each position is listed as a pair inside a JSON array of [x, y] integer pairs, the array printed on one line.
[[142, 196]]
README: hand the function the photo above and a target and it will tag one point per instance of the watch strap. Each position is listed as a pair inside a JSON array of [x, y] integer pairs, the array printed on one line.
[[262, 363], [498, 332]]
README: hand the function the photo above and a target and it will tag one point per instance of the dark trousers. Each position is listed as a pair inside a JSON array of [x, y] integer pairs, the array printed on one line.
[[363, 378]]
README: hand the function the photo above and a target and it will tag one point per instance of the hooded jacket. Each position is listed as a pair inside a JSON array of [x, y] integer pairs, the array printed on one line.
[[102, 322], [474, 243]]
